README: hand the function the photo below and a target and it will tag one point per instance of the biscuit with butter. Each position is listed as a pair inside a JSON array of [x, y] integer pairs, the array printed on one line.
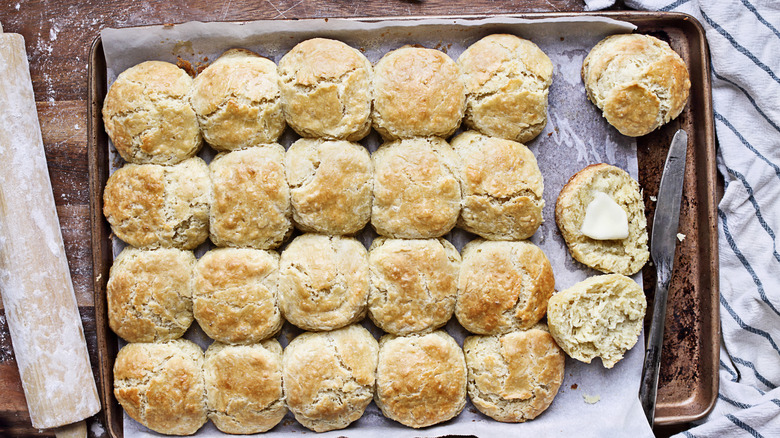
[[592, 208]]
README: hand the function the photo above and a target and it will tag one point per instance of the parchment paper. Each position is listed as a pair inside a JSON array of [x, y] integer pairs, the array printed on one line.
[[592, 401]]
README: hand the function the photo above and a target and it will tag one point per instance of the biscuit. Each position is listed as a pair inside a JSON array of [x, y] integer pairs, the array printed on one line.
[[251, 198], [238, 102], [622, 256], [323, 281], [326, 90], [502, 286], [507, 81], [244, 386], [329, 377], [416, 189], [637, 81], [149, 294], [598, 317], [502, 187], [152, 206], [418, 92], [413, 284], [330, 185], [420, 378], [235, 298], [514, 377], [160, 385], [148, 116]]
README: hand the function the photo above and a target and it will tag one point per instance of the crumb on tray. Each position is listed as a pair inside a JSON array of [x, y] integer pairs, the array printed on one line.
[[591, 399]]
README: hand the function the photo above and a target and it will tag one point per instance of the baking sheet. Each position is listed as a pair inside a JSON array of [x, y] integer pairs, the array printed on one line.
[[592, 400]]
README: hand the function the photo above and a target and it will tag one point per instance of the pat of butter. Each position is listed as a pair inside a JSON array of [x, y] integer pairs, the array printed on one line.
[[604, 219]]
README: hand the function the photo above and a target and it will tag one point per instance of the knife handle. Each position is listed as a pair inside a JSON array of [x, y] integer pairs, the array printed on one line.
[[648, 388]]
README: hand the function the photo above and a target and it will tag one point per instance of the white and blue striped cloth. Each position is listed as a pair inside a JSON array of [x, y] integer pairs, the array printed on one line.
[[744, 40]]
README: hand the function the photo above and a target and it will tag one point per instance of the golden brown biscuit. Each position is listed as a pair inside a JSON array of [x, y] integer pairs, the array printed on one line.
[[237, 101], [598, 317], [502, 187], [326, 90], [330, 185], [148, 116], [420, 378], [416, 189], [323, 281], [151, 206], [235, 295], [161, 386], [413, 284], [622, 256], [329, 377], [149, 294], [244, 386], [251, 198], [638, 82], [514, 377], [418, 92], [503, 286], [507, 81]]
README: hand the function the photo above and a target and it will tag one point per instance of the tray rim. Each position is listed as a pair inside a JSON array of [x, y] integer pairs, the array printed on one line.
[[666, 414]]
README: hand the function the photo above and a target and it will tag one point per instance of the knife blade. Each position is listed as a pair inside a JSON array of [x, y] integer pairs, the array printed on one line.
[[662, 246]]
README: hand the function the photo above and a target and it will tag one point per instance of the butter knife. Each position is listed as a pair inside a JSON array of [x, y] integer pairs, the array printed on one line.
[[662, 245]]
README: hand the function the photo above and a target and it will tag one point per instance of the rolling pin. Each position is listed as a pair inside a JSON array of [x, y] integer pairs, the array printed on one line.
[[35, 284]]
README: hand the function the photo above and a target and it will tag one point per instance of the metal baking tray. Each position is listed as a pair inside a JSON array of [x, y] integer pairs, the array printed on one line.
[[689, 380]]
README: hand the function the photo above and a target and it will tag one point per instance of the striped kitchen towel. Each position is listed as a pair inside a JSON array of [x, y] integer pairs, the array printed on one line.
[[744, 40]]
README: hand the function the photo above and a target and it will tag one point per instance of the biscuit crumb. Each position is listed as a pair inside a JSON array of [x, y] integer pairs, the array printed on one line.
[[574, 386], [591, 399], [653, 198], [680, 237]]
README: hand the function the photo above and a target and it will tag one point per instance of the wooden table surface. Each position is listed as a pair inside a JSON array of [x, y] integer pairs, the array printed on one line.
[[58, 35]]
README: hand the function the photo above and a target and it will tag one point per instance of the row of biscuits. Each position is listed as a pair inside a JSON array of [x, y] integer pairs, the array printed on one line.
[[156, 114], [410, 188], [415, 188], [327, 379], [319, 283]]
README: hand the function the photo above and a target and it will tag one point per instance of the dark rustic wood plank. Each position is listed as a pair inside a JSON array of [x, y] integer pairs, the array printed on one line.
[[64, 131]]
